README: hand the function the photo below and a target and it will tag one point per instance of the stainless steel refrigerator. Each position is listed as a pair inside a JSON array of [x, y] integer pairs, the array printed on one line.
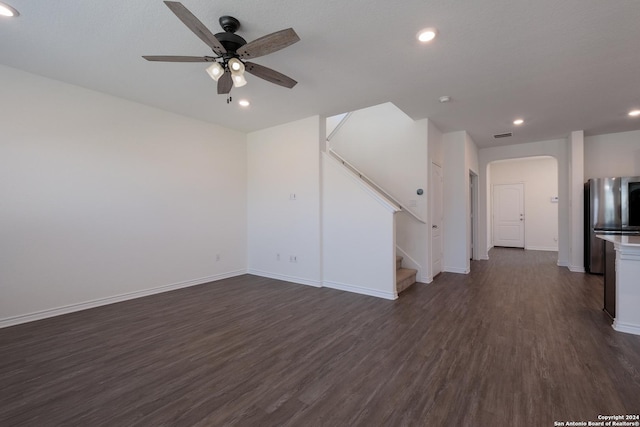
[[611, 207], [603, 214]]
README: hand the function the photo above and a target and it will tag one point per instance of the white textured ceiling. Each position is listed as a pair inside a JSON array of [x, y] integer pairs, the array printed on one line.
[[560, 65]]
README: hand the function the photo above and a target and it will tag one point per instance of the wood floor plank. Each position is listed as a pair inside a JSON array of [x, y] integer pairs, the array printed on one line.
[[519, 341]]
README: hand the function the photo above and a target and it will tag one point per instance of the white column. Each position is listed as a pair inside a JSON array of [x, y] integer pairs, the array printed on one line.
[[576, 194]]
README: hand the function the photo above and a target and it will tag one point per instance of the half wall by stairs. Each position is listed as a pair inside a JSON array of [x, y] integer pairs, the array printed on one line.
[[358, 234]]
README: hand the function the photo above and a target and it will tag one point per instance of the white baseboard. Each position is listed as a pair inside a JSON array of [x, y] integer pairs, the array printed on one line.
[[542, 248], [456, 270], [576, 269], [285, 278], [626, 327], [563, 264], [360, 290], [39, 315], [425, 279]]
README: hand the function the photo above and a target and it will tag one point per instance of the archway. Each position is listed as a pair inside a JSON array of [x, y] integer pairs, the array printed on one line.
[[537, 177], [554, 148]]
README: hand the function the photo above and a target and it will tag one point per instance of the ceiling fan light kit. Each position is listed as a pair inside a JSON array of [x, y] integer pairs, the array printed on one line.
[[238, 79], [236, 66], [237, 72], [232, 51], [215, 70]]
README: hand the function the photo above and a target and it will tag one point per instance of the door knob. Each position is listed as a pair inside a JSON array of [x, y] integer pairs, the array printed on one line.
[[434, 226]]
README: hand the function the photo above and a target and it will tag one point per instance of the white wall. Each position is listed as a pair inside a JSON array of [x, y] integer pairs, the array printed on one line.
[[540, 178], [454, 203], [436, 155], [554, 148], [333, 122], [282, 161], [471, 167], [460, 157], [412, 236], [103, 199], [390, 148], [358, 235], [435, 144], [612, 155]]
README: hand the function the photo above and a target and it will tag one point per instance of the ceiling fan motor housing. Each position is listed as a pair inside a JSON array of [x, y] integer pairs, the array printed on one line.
[[228, 39], [231, 42]]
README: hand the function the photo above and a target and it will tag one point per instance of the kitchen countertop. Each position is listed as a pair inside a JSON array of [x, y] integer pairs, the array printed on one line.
[[621, 239]]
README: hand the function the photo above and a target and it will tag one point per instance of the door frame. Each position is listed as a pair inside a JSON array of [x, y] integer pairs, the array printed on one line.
[[432, 203], [473, 215]]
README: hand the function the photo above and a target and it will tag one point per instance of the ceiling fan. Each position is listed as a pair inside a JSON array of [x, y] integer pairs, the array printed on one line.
[[232, 51]]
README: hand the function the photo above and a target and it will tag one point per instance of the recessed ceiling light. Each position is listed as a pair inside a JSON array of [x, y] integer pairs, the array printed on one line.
[[6, 10], [634, 113], [244, 103], [444, 99], [518, 122], [427, 35]]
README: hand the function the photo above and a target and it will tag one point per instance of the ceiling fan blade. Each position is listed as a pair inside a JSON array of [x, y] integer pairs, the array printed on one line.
[[269, 75], [173, 58], [225, 83], [268, 44], [196, 26]]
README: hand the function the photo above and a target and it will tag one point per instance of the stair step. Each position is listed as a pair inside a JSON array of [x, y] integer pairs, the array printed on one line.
[[398, 262], [405, 277]]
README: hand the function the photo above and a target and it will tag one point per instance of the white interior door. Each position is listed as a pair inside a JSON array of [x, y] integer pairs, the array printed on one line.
[[436, 219], [508, 215]]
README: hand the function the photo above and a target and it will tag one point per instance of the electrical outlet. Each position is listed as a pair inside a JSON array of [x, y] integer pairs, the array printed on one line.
[[292, 196], [293, 258]]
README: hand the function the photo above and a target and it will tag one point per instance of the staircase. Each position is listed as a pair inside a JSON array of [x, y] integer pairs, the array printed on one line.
[[405, 277]]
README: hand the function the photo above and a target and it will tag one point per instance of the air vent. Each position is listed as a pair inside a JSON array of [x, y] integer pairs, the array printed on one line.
[[503, 135]]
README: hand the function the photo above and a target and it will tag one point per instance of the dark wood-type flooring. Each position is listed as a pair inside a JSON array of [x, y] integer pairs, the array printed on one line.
[[518, 342]]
